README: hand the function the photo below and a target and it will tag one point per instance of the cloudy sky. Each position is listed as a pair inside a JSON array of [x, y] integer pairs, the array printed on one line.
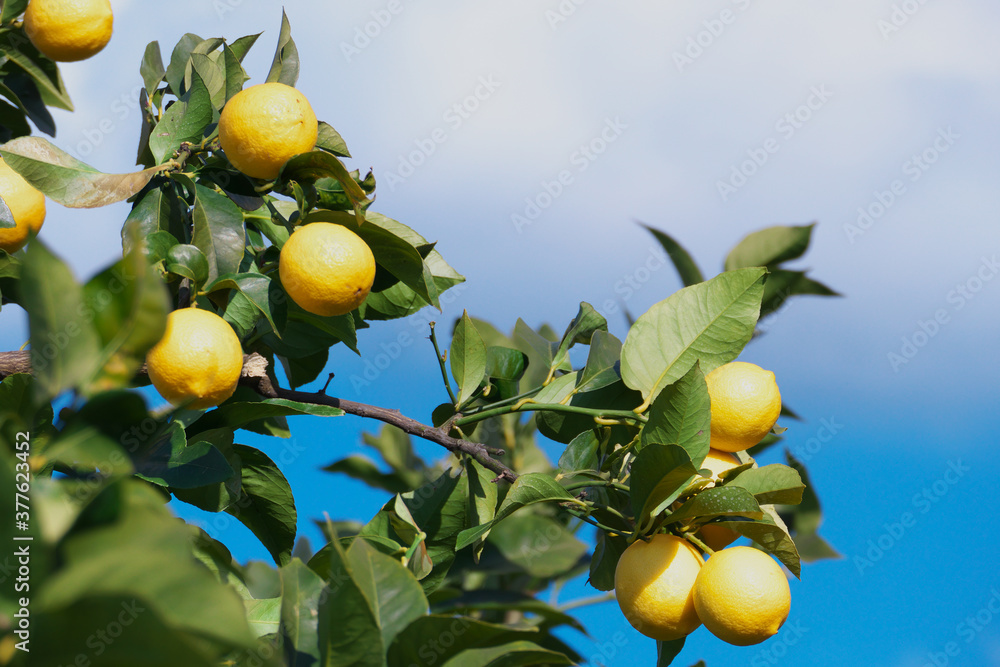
[[528, 138]]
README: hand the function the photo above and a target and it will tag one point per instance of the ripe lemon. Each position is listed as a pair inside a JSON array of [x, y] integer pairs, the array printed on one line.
[[326, 268], [26, 204], [745, 405], [199, 359], [68, 30], [718, 537], [742, 596], [264, 125], [653, 584]]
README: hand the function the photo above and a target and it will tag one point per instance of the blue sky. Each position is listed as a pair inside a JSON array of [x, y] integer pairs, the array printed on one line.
[[875, 119]]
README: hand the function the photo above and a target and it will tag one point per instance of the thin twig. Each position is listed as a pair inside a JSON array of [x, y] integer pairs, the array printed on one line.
[[255, 376]]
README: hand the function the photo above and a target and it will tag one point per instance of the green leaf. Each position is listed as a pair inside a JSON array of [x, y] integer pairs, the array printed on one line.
[[528, 489], [686, 267], [478, 600], [718, 501], [262, 292], [603, 362], [266, 505], [391, 590], [581, 452], [709, 322], [66, 348], [539, 545], [807, 517], [22, 91], [580, 330], [179, 59], [184, 120], [213, 76], [771, 534], [188, 261], [426, 637], [14, 44], [770, 246], [242, 45], [534, 344], [131, 548], [301, 591], [440, 509], [349, 634], [782, 284], [331, 141], [218, 232], [285, 65], [236, 76], [562, 426], [94, 436], [468, 359], [128, 305], [157, 212], [482, 500], [247, 414], [168, 460], [151, 69], [681, 415], [364, 469], [512, 654], [659, 474], [11, 10], [667, 651], [774, 484], [607, 552], [66, 180], [264, 616], [504, 367]]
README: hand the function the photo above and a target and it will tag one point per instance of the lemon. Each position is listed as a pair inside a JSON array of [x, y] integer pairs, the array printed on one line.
[[26, 204], [327, 269], [198, 361], [742, 596], [653, 584], [68, 30], [718, 537], [264, 125], [745, 405]]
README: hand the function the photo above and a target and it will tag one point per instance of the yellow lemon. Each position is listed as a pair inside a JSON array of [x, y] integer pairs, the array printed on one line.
[[742, 596], [653, 584], [198, 361], [26, 204], [718, 537], [327, 269], [745, 405], [68, 30], [264, 125]]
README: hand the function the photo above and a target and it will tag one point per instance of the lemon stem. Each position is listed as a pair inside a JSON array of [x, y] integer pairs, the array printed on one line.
[[689, 536]]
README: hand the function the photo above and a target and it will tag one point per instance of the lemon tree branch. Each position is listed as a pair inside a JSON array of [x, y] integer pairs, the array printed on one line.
[[255, 376]]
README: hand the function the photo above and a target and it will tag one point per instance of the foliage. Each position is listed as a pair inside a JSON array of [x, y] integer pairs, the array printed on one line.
[[450, 569]]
